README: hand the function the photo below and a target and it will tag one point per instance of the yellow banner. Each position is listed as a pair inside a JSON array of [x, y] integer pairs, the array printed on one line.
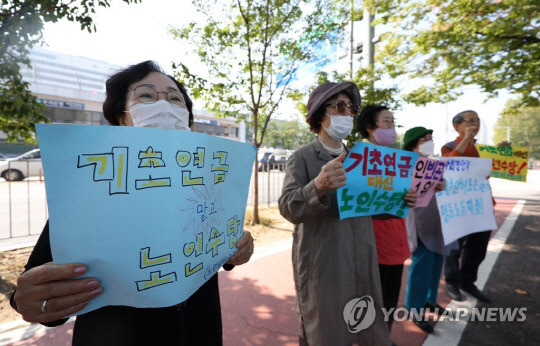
[[508, 162]]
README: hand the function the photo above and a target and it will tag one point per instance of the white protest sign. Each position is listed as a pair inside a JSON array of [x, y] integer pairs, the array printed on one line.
[[465, 206]]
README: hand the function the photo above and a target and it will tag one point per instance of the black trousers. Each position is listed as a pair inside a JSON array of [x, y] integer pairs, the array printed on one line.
[[472, 251], [390, 284]]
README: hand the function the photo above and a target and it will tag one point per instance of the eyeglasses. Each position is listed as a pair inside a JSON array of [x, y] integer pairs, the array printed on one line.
[[389, 123], [472, 121], [341, 106], [147, 94]]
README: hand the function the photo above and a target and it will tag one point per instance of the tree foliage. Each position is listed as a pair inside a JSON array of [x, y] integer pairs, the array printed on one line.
[[524, 123], [287, 134], [491, 43], [21, 28], [250, 50]]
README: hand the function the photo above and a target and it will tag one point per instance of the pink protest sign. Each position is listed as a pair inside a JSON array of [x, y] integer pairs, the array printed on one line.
[[427, 174]]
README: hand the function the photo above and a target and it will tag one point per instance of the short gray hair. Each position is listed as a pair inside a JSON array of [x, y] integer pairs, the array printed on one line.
[[458, 118]]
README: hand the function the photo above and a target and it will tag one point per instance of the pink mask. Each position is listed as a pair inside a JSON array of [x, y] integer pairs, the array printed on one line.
[[385, 136]]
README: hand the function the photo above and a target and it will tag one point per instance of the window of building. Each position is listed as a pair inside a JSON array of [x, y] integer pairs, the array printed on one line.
[[75, 116]]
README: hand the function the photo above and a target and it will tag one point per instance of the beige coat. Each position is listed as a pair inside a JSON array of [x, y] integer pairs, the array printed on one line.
[[334, 260]]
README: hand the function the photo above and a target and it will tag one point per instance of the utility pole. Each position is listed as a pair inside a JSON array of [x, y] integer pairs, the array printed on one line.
[[351, 41], [367, 46], [368, 52], [369, 34]]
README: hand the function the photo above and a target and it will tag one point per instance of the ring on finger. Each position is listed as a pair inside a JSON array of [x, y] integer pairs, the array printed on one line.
[[44, 306]]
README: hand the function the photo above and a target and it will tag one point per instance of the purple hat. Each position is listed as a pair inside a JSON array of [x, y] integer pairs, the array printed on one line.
[[323, 92]]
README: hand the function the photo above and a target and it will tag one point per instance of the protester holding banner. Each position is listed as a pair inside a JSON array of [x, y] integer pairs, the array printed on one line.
[[425, 240], [140, 95], [376, 125], [334, 261], [461, 265]]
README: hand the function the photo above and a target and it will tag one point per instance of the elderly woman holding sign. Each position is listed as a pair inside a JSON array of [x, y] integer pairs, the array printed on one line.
[[377, 126], [425, 240], [140, 95], [334, 261]]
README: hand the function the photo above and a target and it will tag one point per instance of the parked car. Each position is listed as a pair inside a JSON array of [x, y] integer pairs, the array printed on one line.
[[4, 157], [271, 161], [20, 167]]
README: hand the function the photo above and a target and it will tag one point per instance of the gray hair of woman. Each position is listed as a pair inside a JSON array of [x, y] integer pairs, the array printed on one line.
[[458, 118]]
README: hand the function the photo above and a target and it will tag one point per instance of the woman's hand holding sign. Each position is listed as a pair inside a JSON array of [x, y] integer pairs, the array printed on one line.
[[441, 186], [245, 249], [410, 198], [52, 291]]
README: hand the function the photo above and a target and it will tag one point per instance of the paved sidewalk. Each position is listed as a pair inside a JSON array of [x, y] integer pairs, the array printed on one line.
[[258, 302]]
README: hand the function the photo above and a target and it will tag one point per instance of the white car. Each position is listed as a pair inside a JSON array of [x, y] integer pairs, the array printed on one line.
[[20, 167]]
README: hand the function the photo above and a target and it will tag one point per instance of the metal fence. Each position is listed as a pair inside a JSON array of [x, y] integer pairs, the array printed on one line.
[[23, 208], [270, 183]]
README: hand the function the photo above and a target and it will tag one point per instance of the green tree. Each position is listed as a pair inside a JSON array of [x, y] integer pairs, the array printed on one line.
[[289, 134], [21, 28], [250, 50], [494, 44], [524, 123]]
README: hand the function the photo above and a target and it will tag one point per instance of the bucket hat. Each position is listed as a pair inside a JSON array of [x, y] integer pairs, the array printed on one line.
[[413, 134], [323, 92]]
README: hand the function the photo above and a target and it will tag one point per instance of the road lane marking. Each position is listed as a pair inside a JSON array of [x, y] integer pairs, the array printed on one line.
[[449, 333]]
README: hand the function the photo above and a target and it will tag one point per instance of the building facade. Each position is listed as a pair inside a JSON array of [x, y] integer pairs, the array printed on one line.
[[72, 88]]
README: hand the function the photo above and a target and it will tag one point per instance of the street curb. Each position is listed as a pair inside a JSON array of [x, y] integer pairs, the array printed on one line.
[[269, 250], [18, 242]]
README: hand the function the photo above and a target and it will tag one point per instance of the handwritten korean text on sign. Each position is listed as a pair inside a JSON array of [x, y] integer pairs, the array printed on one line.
[[427, 174], [508, 162], [152, 213], [465, 206], [377, 180]]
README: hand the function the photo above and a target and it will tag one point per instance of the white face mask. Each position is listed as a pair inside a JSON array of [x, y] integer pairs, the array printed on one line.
[[427, 148], [161, 115], [340, 126]]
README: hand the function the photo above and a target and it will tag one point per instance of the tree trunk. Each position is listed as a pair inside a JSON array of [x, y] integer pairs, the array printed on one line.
[[256, 219]]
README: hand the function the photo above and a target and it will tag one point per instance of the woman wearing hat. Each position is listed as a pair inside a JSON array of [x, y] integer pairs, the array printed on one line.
[[376, 125], [334, 261], [425, 240]]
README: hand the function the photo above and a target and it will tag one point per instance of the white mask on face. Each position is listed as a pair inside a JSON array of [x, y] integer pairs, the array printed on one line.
[[340, 126], [161, 115], [427, 148]]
